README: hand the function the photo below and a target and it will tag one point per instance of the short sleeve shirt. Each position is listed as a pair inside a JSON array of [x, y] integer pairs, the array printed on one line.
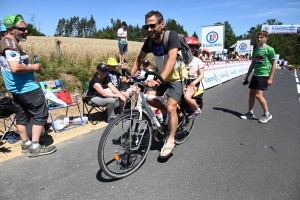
[[194, 67], [11, 51], [104, 84], [123, 32], [160, 53], [114, 77], [263, 60]]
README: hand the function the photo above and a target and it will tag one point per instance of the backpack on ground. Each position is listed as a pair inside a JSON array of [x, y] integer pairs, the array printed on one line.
[[186, 52]]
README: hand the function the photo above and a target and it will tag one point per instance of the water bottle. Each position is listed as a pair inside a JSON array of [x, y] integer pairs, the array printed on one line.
[[159, 115], [35, 59]]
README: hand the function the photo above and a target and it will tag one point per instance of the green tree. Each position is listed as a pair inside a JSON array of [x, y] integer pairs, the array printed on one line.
[[171, 24], [195, 35]]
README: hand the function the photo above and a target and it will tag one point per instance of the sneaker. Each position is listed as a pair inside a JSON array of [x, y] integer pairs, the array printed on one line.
[[248, 115], [110, 120], [194, 114], [25, 148], [265, 118], [41, 150], [123, 63]]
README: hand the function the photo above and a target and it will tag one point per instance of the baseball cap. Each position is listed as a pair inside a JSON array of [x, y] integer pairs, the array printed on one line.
[[124, 23], [3, 28], [102, 67], [112, 62], [146, 62], [11, 20]]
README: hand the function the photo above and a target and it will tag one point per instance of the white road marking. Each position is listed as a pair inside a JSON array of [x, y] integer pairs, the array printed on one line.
[[297, 80], [298, 88]]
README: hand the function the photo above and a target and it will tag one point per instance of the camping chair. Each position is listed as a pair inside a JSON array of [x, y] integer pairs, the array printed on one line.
[[54, 86], [88, 105], [6, 118]]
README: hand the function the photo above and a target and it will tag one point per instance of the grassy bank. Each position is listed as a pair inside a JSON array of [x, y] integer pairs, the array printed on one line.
[[78, 60]]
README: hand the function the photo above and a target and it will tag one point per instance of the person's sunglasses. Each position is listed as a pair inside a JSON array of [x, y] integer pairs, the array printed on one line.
[[146, 27], [146, 65], [20, 29]]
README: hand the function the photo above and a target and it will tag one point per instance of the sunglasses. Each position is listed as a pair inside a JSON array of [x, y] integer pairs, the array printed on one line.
[[146, 27], [20, 29]]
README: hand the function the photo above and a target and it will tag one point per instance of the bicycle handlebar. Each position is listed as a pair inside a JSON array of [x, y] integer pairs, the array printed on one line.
[[155, 74]]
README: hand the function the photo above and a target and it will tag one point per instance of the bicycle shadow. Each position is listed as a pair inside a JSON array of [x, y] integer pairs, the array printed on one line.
[[100, 176]]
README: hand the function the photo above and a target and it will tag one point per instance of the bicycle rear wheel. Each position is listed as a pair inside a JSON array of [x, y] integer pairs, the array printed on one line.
[[125, 144], [184, 128]]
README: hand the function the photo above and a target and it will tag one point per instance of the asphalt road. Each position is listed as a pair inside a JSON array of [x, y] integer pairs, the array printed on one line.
[[225, 157]]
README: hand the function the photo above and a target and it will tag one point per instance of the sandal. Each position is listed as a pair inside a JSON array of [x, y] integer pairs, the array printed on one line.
[[164, 148]]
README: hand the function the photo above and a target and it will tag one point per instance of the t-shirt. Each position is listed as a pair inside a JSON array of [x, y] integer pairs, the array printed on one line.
[[161, 56], [92, 91], [114, 77], [194, 67], [263, 57], [122, 32], [143, 72], [10, 50]]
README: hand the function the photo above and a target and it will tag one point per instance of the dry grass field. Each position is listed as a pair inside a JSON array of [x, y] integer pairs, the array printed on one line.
[[77, 49]]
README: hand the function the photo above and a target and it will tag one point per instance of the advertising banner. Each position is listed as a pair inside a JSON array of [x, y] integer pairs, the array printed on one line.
[[281, 29], [223, 74], [211, 77], [213, 38], [243, 47]]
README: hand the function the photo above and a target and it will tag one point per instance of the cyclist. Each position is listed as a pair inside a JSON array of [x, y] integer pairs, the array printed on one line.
[[195, 75], [169, 67]]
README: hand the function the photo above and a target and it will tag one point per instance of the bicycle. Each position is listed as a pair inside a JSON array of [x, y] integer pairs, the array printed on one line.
[[126, 141]]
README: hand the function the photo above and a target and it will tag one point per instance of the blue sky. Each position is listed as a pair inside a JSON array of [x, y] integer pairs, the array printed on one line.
[[192, 15]]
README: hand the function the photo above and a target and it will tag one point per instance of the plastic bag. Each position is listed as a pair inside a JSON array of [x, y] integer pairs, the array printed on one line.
[[53, 99], [61, 122], [64, 95]]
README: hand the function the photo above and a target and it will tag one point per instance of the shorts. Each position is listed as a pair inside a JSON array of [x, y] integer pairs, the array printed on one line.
[[31, 105], [172, 89], [191, 80], [259, 82], [123, 48]]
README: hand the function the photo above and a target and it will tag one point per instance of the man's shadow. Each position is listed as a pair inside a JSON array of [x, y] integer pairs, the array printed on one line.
[[237, 114]]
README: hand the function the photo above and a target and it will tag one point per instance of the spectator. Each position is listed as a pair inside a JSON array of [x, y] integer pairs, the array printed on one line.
[[104, 92], [118, 80], [18, 76], [3, 31], [146, 68], [281, 64], [286, 64], [123, 45], [264, 65]]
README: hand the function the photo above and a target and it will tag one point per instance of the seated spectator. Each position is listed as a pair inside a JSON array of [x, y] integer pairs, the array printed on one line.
[[118, 80], [146, 68], [225, 58], [206, 56], [104, 92]]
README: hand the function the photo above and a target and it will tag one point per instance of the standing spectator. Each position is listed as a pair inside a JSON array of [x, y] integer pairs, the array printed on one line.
[[123, 45], [3, 31], [264, 65], [18, 76]]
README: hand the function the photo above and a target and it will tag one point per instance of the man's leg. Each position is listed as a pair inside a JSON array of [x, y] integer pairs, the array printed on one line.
[[173, 123], [262, 100], [155, 102]]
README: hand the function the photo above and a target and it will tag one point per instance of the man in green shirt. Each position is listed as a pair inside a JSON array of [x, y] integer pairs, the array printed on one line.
[[264, 65]]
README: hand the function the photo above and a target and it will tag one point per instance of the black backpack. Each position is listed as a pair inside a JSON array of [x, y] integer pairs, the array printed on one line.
[[186, 52], [6, 107]]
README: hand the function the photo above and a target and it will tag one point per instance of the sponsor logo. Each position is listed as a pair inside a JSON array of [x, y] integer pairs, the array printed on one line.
[[243, 46], [210, 79], [224, 75], [233, 72], [13, 54], [239, 71], [266, 29], [212, 37], [283, 28]]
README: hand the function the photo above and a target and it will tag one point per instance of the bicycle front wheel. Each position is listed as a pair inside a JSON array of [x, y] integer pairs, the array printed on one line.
[[125, 144], [184, 128]]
